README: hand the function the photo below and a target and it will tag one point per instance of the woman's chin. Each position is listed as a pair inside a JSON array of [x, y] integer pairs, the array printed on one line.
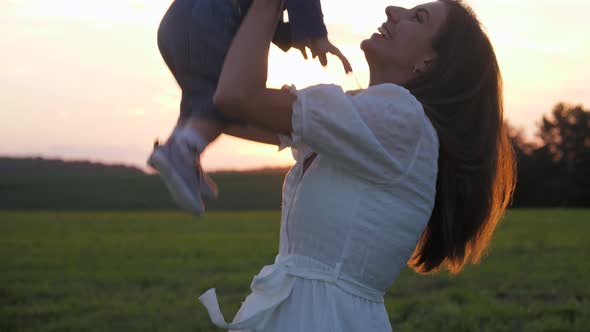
[[367, 45], [371, 42], [370, 48]]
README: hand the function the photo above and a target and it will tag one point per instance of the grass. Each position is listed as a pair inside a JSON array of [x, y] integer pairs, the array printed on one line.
[[134, 271]]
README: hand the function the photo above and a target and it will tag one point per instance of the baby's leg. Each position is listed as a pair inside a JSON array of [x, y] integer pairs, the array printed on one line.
[[194, 38]]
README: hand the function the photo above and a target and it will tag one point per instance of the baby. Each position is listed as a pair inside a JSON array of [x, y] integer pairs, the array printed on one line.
[[194, 37]]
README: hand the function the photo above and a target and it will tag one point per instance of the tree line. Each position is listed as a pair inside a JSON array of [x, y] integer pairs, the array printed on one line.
[[554, 167]]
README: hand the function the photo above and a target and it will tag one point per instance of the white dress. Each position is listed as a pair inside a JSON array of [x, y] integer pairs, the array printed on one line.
[[350, 223]]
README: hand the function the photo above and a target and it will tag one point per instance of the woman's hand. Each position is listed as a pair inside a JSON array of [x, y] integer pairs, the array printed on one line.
[[319, 48]]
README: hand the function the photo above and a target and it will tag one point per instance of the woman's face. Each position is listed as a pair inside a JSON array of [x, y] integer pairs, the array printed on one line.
[[404, 41]]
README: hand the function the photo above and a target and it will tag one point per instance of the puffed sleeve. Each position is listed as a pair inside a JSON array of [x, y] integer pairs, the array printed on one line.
[[373, 135], [300, 152], [284, 142]]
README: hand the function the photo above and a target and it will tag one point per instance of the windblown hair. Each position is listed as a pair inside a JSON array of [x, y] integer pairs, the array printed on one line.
[[462, 96]]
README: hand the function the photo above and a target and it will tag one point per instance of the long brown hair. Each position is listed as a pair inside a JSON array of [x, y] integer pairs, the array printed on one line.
[[462, 96]]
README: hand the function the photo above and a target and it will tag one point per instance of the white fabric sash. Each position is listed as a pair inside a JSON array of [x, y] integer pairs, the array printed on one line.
[[273, 285]]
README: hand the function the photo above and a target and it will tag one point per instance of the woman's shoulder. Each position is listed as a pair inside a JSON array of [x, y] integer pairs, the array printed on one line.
[[390, 94], [394, 103], [391, 101]]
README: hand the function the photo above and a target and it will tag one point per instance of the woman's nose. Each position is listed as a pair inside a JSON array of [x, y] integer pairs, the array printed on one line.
[[393, 13]]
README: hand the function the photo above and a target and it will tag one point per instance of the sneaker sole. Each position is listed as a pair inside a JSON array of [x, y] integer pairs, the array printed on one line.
[[175, 185], [208, 190]]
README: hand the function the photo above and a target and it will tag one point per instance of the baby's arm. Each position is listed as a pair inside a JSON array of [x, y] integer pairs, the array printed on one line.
[[306, 23], [307, 19]]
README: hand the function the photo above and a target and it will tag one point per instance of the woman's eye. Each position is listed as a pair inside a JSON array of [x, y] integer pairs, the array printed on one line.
[[418, 18]]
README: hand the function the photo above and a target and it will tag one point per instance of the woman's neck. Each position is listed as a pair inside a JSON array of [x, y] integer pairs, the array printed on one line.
[[391, 75]]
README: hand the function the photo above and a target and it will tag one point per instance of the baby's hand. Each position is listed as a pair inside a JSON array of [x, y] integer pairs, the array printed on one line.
[[319, 48]]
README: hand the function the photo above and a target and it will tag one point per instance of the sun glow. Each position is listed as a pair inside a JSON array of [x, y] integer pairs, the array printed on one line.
[[87, 79], [110, 11]]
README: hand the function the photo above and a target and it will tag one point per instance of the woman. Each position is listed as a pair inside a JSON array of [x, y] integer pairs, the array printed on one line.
[[417, 169]]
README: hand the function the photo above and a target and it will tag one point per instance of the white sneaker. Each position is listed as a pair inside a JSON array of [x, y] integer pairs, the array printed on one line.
[[183, 175]]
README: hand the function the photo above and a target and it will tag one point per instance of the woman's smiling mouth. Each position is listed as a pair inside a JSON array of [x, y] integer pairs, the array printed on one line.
[[384, 31]]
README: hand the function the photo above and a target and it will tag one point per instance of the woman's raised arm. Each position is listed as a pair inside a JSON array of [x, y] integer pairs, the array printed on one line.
[[242, 91], [252, 133]]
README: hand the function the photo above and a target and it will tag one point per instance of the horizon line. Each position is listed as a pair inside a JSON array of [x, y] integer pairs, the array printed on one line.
[[145, 169]]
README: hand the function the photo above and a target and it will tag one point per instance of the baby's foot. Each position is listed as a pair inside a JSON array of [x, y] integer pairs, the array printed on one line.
[[177, 165]]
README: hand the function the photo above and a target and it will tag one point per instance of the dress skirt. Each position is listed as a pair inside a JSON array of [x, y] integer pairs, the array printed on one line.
[[317, 305]]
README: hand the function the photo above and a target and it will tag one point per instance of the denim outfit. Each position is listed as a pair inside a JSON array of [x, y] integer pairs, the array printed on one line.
[[195, 35]]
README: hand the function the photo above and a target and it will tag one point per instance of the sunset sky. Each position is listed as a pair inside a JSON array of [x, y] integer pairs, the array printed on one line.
[[84, 79]]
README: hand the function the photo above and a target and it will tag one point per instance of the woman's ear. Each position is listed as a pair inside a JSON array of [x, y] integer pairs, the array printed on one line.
[[424, 65]]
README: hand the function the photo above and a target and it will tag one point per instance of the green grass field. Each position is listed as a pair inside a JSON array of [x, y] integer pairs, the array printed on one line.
[[129, 271]]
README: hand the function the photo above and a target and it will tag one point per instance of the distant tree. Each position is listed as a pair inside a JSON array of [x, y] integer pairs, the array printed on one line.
[[535, 172], [567, 135], [555, 172]]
